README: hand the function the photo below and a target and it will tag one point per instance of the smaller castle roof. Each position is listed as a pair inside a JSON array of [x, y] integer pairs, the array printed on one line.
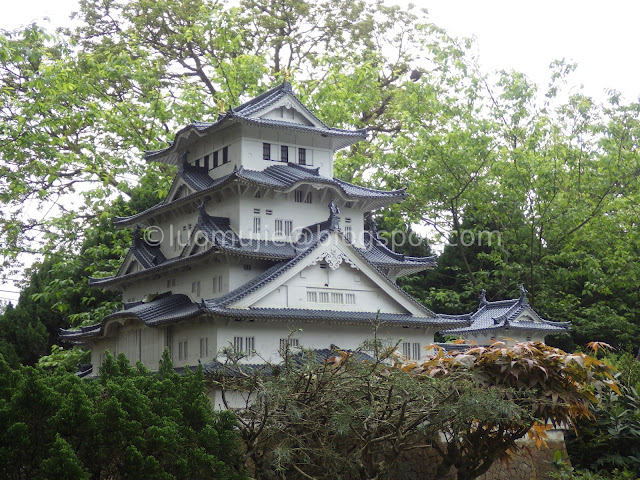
[[505, 314]]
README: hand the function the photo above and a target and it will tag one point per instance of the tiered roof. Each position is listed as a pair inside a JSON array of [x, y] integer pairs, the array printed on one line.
[[281, 178], [243, 114], [508, 314], [222, 239], [170, 308]]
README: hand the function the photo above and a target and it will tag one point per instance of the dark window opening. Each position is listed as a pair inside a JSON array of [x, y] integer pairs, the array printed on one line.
[[225, 155], [215, 159], [302, 156], [284, 153], [266, 151], [206, 162]]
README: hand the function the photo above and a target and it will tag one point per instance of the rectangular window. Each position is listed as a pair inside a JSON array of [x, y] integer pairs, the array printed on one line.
[[197, 163], [283, 227], [171, 282], [348, 205], [217, 284], [215, 159], [256, 224], [238, 344], [284, 153], [250, 345], [204, 347], [257, 194], [312, 297], [416, 351], [225, 155], [347, 232], [183, 350], [266, 151], [323, 297], [337, 298], [307, 198], [206, 162], [406, 350], [269, 212], [247, 267], [291, 342], [195, 288], [350, 298], [299, 196], [302, 156]]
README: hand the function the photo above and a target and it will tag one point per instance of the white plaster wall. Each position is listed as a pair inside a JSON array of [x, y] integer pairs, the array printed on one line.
[[238, 276], [203, 272], [192, 332], [234, 399], [319, 152], [510, 336], [314, 335], [369, 297], [169, 246], [301, 214]]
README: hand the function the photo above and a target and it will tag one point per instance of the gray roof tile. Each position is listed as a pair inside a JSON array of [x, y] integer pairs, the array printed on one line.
[[503, 314]]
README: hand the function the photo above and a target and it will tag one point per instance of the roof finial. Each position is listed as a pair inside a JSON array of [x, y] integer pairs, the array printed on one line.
[[220, 106], [523, 295], [334, 219], [483, 297], [373, 227], [203, 206]]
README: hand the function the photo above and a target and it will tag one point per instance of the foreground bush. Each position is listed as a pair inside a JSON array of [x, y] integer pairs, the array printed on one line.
[[127, 424]]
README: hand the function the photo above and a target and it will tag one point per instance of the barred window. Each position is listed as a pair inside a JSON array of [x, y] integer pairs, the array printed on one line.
[[323, 297], [337, 298], [347, 233], [350, 298], [204, 347], [284, 153], [302, 156], [283, 227], [195, 288], [256, 224], [416, 351], [291, 342], [183, 350], [266, 151], [312, 297]]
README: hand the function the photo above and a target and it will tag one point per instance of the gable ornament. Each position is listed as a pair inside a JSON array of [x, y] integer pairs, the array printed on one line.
[[333, 257]]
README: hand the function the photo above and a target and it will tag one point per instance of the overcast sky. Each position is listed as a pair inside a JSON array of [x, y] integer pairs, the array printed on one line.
[[602, 37]]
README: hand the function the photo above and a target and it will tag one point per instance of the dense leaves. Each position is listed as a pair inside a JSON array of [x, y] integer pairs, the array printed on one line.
[[349, 417], [126, 424]]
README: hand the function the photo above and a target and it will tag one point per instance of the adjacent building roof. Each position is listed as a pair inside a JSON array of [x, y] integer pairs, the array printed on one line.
[[245, 114], [282, 177], [507, 314]]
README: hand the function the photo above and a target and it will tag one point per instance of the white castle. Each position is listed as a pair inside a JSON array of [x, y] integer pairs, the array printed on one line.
[[256, 245]]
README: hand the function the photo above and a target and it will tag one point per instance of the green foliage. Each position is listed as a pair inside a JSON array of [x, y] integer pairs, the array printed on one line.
[[345, 417], [126, 424], [611, 440]]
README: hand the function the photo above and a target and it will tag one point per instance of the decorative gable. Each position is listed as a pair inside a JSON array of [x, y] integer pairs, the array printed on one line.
[[290, 110], [332, 270]]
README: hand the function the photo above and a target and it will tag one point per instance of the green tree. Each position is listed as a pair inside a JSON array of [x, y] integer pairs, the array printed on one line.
[[126, 424], [344, 416]]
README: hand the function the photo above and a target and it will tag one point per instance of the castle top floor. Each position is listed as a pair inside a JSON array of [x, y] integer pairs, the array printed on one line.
[[274, 127]]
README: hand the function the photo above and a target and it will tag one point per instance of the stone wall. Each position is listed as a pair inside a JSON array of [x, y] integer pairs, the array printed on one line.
[[528, 464]]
